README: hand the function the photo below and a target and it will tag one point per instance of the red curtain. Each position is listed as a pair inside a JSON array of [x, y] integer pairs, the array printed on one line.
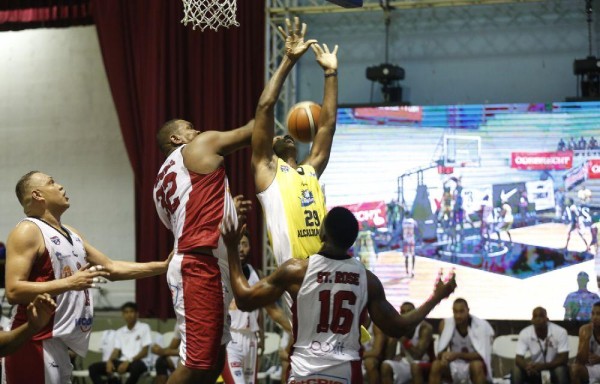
[[27, 14], [159, 69]]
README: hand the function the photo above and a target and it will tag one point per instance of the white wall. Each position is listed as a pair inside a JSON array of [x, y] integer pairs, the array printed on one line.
[[57, 116]]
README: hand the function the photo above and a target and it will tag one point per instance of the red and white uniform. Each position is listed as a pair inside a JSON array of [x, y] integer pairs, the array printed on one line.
[[193, 206], [45, 358], [408, 234], [327, 314], [401, 368], [240, 366], [594, 370]]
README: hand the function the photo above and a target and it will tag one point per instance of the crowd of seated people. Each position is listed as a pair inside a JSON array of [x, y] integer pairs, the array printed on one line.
[[583, 144], [464, 351]]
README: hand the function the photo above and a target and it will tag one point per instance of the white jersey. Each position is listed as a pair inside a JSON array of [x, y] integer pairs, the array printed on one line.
[[193, 205], [487, 213], [460, 343], [327, 315], [508, 216], [74, 315], [245, 321], [408, 229], [543, 351]]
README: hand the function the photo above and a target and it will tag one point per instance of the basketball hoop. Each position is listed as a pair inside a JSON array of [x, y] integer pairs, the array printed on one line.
[[210, 13]]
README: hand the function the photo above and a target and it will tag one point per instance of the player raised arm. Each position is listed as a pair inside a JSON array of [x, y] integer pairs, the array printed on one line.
[[25, 245], [123, 270], [263, 158], [389, 320], [320, 150], [288, 276]]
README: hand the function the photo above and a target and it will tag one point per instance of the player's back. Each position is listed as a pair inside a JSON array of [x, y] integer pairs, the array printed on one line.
[[192, 205], [327, 314]]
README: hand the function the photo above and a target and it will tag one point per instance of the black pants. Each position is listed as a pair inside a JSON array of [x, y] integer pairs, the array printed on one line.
[[98, 372]]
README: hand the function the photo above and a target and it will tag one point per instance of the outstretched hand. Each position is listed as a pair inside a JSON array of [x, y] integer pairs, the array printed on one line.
[[40, 311], [232, 234], [295, 46], [445, 287], [325, 58], [88, 277], [242, 207]]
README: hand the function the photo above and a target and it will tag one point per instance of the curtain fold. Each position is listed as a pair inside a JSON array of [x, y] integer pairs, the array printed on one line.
[[158, 70]]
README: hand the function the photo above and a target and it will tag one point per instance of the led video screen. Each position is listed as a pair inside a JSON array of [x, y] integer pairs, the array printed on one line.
[[507, 195]]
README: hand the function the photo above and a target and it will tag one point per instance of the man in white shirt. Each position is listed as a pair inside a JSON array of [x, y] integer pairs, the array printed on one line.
[[549, 348], [132, 343]]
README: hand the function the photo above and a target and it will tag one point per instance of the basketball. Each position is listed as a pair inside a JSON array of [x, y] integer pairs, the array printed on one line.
[[302, 121]]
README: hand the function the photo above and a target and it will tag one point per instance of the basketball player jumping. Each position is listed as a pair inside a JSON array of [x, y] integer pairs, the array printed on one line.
[[331, 293], [192, 196], [289, 192]]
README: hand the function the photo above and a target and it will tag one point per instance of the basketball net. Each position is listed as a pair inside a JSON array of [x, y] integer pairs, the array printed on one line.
[[210, 13]]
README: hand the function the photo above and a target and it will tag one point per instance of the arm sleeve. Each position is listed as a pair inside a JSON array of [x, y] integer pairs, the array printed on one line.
[[146, 336], [563, 341], [522, 344]]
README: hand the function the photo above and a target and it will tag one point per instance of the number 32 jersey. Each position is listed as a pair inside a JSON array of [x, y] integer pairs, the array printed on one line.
[[193, 205], [294, 207], [327, 314]]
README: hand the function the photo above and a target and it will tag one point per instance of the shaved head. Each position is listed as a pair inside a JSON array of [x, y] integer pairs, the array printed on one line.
[[24, 187], [163, 137]]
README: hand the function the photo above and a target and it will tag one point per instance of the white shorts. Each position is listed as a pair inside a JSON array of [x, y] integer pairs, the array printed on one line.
[[401, 369], [459, 369], [593, 373], [44, 361], [240, 366], [345, 373]]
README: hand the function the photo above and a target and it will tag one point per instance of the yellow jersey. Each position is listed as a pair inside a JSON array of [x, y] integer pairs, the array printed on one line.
[[294, 207]]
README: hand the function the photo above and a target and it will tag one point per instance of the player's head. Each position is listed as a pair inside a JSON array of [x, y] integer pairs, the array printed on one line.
[[129, 311], [582, 279], [339, 228], [406, 307], [175, 133], [37, 191], [595, 319], [244, 246], [539, 318], [284, 146], [460, 311]]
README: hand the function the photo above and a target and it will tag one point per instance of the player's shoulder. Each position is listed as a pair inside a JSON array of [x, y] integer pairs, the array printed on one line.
[[25, 232]]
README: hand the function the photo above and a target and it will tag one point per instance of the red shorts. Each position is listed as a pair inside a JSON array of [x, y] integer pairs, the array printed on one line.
[[201, 295], [42, 361]]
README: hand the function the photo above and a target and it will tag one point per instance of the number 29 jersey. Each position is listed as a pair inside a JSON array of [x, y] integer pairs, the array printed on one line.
[[327, 314], [294, 207]]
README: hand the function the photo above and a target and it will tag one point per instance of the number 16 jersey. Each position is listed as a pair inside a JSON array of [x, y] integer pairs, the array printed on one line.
[[294, 207], [327, 314]]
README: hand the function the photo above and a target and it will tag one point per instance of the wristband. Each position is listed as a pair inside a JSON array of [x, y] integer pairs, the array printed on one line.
[[407, 344], [334, 73]]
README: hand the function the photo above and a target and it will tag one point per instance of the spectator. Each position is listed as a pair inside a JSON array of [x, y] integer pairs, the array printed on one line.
[[549, 348], [413, 363], [578, 304], [561, 145], [572, 144], [132, 343], [586, 367], [582, 144], [167, 358], [465, 348]]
